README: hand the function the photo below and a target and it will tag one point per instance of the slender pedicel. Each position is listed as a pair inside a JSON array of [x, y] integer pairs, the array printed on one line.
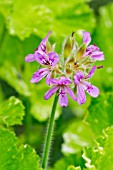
[[49, 134]]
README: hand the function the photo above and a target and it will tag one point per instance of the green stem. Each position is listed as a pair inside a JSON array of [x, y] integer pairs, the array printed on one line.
[[49, 135], [28, 121], [2, 36]]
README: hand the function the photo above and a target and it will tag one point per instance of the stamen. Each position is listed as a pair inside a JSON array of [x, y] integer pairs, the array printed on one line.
[[100, 67], [75, 63], [36, 49], [73, 33]]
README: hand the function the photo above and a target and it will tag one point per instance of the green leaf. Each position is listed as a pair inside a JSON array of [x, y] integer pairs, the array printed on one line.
[[27, 158], [77, 168], [14, 157], [104, 31], [6, 7], [11, 112], [36, 18], [77, 134], [100, 113], [71, 167], [101, 157], [68, 161], [9, 74]]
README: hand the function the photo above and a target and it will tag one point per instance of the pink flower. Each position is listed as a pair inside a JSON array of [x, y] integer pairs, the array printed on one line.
[[92, 50], [83, 85], [41, 49], [62, 86], [48, 60]]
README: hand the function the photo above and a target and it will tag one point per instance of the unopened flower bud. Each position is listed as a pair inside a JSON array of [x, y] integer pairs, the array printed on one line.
[[68, 46], [48, 47], [80, 52]]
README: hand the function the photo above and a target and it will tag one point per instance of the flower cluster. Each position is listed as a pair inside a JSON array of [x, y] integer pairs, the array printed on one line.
[[70, 72]]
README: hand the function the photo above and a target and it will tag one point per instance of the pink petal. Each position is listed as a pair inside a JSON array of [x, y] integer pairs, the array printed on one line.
[[48, 79], [63, 99], [87, 53], [92, 48], [37, 76], [46, 38], [54, 81], [30, 58], [92, 90], [90, 74], [78, 77], [71, 93], [81, 97], [99, 56], [53, 58], [42, 46], [50, 92], [64, 81], [86, 37], [40, 57]]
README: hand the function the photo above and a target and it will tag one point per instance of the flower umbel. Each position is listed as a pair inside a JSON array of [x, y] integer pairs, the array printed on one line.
[[73, 69]]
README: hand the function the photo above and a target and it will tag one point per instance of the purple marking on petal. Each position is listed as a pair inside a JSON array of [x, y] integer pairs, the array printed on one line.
[[81, 96], [63, 99], [90, 74], [41, 50], [92, 48], [50, 92], [41, 58], [37, 76], [88, 53], [78, 77], [53, 58], [99, 56], [48, 79], [30, 58], [42, 46], [71, 93], [92, 90], [86, 37]]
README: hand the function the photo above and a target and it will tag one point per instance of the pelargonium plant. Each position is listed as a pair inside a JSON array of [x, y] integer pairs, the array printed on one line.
[[66, 74]]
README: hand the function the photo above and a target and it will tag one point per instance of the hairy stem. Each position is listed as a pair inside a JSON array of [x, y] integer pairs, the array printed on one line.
[[49, 135]]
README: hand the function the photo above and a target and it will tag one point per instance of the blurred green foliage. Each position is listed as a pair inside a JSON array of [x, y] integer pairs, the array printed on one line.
[[13, 157], [83, 135], [11, 112]]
